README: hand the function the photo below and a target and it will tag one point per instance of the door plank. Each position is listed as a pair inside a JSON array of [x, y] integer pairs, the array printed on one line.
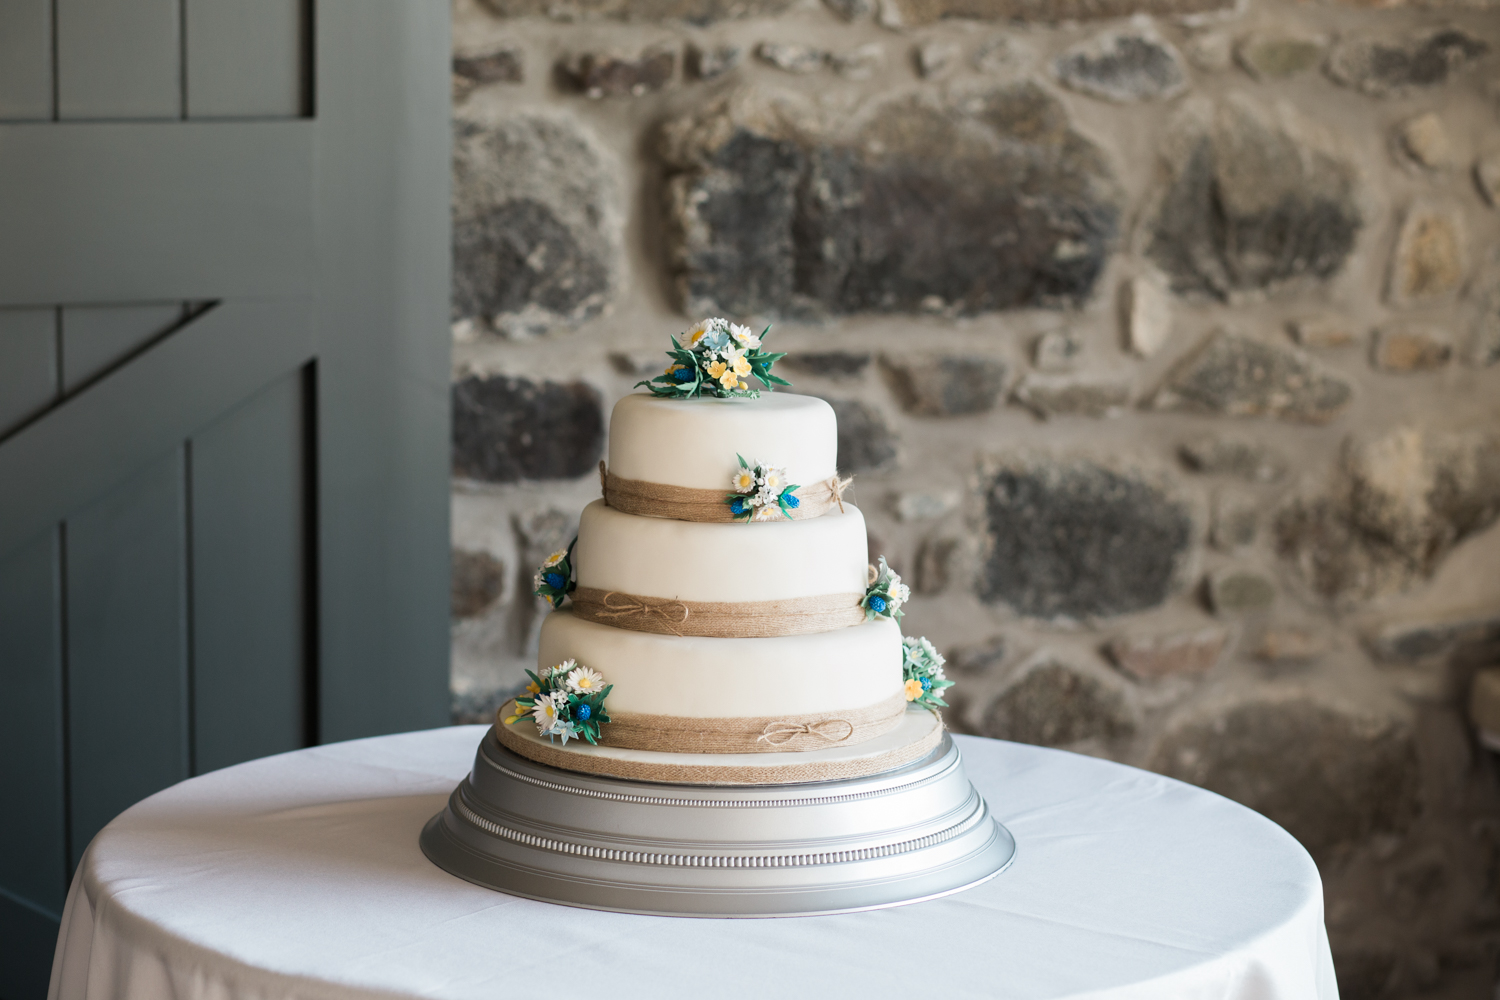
[[28, 364], [245, 58], [128, 724], [26, 60], [215, 210], [119, 59], [32, 857], [141, 410], [248, 546], [95, 338]]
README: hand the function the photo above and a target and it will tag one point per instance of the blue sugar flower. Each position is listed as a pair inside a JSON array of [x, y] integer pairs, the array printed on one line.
[[791, 499], [583, 711], [683, 375], [926, 686], [877, 604], [554, 580], [739, 505]]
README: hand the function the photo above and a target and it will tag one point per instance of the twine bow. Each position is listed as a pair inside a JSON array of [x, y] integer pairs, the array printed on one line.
[[618, 605], [836, 488], [779, 734]]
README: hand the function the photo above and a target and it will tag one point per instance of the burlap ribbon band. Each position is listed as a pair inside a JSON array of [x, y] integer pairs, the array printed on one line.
[[718, 619], [765, 734], [682, 503]]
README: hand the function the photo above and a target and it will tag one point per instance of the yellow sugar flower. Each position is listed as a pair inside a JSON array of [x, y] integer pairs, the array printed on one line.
[[531, 688], [913, 689], [672, 368], [718, 369], [741, 366]]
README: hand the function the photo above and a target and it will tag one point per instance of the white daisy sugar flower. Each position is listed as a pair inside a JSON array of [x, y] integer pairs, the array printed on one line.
[[555, 558], [744, 336], [743, 481], [766, 512], [546, 714], [774, 480], [582, 680]]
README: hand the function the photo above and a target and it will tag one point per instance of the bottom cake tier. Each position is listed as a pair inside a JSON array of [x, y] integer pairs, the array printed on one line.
[[904, 834], [914, 735]]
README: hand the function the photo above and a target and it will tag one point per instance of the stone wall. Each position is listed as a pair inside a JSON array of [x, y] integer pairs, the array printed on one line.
[[1163, 336]]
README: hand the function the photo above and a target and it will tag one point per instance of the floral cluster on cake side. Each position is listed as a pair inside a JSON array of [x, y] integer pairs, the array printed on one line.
[[566, 700], [885, 594], [554, 579], [716, 358], [761, 493], [922, 672]]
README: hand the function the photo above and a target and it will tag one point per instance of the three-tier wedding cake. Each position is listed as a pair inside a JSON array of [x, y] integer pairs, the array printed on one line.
[[717, 624]]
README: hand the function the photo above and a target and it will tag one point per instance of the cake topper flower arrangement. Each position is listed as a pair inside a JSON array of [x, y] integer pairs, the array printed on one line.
[[922, 671], [885, 594], [761, 493], [716, 358], [566, 700], [554, 580]]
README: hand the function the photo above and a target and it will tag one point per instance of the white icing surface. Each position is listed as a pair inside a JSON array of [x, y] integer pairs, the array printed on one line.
[[698, 561], [700, 677], [693, 442]]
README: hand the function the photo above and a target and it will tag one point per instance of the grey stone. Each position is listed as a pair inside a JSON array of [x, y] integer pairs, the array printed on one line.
[[791, 57], [1487, 177], [1484, 346], [1388, 67], [1398, 505], [1071, 538], [1290, 646], [500, 66], [1410, 347], [1125, 65], [924, 506], [1255, 200], [1050, 396], [1276, 55], [478, 579], [1239, 591], [916, 12], [773, 211], [829, 364], [542, 531], [947, 385], [986, 657], [1323, 331], [859, 63], [933, 59], [696, 12], [1052, 704], [479, 707], [1217, 454], [1425, 141], [1175, 654], [1236, 522], [536, 224], [1430, 259], [608, 74], [999, 55], [508, 429], [638, 363], [1056, 351], [866, 442], [1326, 774], [1235, 376], [851, 10], [1414, 641], [1211, 52], [933, 557], [712, 62]]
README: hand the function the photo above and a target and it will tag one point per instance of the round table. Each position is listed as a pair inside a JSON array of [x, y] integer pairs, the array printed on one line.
[[300, 876]]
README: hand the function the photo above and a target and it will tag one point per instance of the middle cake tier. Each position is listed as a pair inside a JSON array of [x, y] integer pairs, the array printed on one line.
[[770, 578]]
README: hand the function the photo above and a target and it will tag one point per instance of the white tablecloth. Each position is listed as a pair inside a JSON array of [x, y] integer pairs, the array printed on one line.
[[300, 876]]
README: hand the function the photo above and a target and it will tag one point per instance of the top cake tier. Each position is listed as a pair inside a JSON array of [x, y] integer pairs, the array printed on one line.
[[692, 443]]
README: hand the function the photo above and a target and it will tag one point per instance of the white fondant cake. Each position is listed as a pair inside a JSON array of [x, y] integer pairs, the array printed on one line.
[[745, 636], [686, 442], [764, 561], [698, 677]]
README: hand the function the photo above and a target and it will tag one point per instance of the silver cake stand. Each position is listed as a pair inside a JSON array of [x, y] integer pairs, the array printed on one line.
[[904, 835]]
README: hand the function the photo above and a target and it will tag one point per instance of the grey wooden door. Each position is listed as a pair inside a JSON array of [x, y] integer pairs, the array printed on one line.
[[223, 403]]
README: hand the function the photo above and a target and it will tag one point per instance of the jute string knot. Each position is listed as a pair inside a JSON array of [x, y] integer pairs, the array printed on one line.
[[781, 733], [836, 488], [618, 605], [638, 496]]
